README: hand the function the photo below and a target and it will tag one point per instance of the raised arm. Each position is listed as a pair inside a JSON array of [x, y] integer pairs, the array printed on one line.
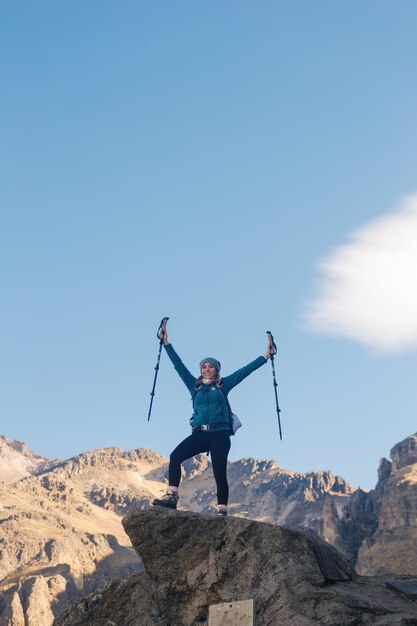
[[234, 379], [188, 379]]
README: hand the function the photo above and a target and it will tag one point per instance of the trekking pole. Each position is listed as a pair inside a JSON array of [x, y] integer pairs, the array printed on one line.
[[160, 334], [272, 344]]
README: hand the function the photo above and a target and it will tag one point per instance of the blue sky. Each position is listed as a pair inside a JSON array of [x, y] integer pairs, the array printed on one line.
[[238, 167]]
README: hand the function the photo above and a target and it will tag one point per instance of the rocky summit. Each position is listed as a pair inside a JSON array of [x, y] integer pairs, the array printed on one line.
[[18, 461], [61, 534], [194, 561]]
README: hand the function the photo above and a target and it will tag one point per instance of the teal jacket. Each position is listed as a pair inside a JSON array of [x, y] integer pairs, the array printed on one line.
[[210, 406]]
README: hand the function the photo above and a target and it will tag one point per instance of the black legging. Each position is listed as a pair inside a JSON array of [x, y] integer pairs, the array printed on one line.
[[218, 443]]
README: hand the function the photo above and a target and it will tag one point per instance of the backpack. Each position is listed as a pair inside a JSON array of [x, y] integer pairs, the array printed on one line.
[[235, 422]]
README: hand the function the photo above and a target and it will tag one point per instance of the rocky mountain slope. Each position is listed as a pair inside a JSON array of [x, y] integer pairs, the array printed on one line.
[[194, 564], [378, 530], [61, 535], [60, 526], [18, 461]]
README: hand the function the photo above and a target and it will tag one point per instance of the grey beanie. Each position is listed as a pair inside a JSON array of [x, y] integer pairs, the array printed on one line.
[[212, 361]]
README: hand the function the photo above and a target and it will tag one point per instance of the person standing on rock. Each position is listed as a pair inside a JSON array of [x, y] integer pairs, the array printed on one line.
[[210, 422]]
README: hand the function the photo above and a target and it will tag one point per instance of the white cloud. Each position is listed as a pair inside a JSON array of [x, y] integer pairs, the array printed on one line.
[[367, 289]]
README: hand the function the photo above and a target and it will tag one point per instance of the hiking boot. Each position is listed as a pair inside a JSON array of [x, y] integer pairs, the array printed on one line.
[[221, 512], [169, 500]]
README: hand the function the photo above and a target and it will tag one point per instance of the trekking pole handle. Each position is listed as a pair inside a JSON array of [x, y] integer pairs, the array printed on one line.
[[272, 343], [162, 329]]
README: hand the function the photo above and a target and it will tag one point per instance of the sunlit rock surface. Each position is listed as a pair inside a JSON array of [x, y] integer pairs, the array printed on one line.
[[193, 561]]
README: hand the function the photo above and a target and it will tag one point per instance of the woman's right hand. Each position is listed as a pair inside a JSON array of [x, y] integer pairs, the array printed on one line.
[[271, 347], [162, 334]]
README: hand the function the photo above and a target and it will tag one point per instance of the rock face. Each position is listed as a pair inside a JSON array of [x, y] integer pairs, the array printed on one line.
[[61, 534], [377, 530], [18, 461], [60, 524], [193, 561], [391, 548], [261, 490], [404, 453]]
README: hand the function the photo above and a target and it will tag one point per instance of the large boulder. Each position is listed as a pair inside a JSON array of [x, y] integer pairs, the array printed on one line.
[[193, 561]]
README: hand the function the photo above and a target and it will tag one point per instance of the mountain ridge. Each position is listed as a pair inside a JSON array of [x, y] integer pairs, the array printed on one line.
[[60, 524]]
